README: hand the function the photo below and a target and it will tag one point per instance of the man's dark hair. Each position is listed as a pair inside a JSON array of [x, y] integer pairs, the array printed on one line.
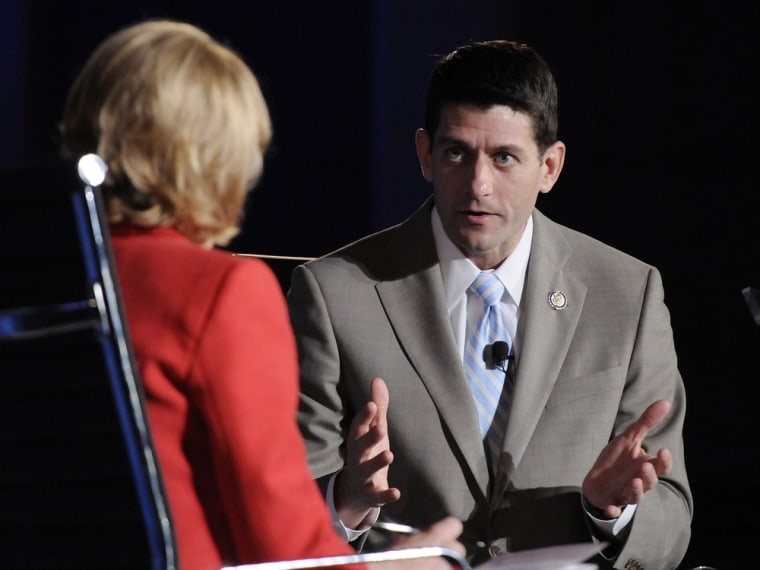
[[496, 72]]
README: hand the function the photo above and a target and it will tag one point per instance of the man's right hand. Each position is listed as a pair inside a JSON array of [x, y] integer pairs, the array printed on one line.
[[361, 488], [442, 533]]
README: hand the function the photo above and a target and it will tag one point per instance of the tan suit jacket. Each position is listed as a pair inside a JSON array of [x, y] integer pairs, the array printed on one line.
[[376, 308]]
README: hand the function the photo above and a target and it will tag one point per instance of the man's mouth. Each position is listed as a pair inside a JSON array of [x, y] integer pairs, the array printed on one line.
[[476, 216]]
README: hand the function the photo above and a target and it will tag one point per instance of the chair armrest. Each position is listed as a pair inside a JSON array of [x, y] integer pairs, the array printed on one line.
[[335, 561]]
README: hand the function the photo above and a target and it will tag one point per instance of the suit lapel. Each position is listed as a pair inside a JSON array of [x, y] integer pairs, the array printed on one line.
[[416, 309], [543, 337]]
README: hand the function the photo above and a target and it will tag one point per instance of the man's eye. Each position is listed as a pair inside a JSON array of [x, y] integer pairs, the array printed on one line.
[[454, 153], [503, 158]]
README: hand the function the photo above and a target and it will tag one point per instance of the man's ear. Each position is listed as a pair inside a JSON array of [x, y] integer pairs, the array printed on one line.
[[422, 140], [553, 160]]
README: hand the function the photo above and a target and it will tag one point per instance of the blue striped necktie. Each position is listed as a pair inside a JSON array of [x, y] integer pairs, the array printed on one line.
[[487, 381]]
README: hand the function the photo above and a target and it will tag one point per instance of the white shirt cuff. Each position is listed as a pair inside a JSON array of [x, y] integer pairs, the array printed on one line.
[[612, 527], [347, 534]]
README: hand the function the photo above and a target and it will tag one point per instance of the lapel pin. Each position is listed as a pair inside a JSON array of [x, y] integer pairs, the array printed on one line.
[[557, 300]]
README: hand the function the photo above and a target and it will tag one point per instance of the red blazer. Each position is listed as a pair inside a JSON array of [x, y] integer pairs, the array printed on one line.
[[217, 357]]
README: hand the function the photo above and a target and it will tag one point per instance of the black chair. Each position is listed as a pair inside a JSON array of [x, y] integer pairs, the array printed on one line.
[[752, 298], [80, 486]]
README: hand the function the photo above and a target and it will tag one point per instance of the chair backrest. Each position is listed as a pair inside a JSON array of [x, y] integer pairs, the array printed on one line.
[[752, 298], [79, 486]]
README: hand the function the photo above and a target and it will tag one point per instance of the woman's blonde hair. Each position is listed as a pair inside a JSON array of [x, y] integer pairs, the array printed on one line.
[[180, 121]]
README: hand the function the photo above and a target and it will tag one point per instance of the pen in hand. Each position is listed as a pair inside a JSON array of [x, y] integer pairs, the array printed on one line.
[[401, 528]]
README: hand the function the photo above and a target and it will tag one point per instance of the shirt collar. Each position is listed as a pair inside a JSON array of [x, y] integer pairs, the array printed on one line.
[[458, 271]]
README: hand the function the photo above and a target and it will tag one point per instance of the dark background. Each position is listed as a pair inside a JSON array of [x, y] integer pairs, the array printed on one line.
[[658, 107]]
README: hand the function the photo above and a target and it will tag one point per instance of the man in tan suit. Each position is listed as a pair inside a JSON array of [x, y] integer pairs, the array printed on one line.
[[593, 446]]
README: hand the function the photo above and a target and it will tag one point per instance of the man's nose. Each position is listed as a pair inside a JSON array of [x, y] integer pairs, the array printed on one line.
[[481, 183]]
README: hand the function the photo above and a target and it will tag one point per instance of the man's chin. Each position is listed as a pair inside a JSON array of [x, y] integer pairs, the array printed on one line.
[[474, 241]]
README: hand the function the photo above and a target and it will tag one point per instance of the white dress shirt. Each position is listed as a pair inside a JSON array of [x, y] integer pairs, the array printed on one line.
[[458, 273]]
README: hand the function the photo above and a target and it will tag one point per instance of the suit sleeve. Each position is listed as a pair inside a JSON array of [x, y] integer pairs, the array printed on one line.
[[663, 518], [321, 416], [247, 364]]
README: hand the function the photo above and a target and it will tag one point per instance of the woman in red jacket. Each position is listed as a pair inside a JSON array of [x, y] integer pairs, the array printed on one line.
[[182, 125]]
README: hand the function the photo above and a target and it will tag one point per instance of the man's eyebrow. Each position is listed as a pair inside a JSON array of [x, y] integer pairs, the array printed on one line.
[[449, 140]]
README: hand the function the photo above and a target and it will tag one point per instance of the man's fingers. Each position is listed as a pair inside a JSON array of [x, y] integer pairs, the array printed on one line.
[[636, 492], [445, 529], [441, 533], [652, 469], [390, 495], [368, 454], [379, 393], [650, 418], [363, 419], [367, 468], [663, 463], [380, 397], [365, 445]]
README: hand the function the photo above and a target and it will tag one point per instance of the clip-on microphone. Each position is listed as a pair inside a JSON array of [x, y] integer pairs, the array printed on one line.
[[500, 355]]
